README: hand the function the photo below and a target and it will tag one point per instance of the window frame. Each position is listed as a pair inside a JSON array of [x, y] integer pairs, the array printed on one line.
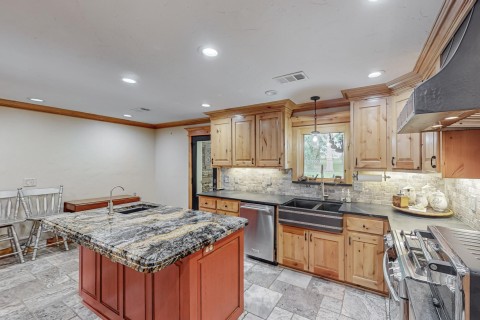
[[298, 149]]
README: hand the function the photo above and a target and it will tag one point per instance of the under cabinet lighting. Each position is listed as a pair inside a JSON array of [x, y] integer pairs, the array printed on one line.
[[437, 126], [36, 99], [451, 118], [205, 105]]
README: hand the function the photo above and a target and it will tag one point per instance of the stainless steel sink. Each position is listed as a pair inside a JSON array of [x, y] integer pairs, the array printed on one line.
[[312, 214], [135, 208]]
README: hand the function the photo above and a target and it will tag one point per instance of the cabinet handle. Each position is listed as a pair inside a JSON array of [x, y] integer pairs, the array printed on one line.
[[279, 160], [349, 241], [252, 161], [356, 162], [305, 236], [431, 162], [393, 161], [310, 237], [212, 160]]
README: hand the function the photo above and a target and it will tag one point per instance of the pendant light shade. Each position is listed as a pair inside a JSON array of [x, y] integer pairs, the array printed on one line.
[[315, 133]]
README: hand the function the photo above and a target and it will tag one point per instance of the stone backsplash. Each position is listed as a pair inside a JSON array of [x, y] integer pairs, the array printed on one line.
[[275, 181]]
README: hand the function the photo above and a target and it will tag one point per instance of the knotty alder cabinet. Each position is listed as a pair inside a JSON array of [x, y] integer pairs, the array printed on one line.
[[221, 206], [354, 256], [252, 140]]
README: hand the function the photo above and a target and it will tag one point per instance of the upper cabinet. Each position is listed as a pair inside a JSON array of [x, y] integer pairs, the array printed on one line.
[[243, 141], [257, 136], [405, 148], [460, 152], [270, 133], [221, 140], [369, 119], [431, 151]]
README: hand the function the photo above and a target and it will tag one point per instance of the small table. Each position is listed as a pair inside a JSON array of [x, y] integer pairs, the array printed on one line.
[[95, 203]]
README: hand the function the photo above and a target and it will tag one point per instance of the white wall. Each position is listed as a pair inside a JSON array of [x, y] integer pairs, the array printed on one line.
[[87, 157], [171, 170]]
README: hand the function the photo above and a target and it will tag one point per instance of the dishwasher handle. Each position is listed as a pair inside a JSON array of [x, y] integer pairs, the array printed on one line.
[[256, 207]]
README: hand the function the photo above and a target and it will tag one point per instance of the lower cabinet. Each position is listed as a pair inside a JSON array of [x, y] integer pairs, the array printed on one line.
[[354, 256], [220, 206], [318, 252], [364, 260]]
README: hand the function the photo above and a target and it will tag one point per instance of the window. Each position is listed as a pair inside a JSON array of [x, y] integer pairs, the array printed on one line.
[[331, 150], [328, 151]]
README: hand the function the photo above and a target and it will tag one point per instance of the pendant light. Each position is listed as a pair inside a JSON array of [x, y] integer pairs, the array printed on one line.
[[315, 133]]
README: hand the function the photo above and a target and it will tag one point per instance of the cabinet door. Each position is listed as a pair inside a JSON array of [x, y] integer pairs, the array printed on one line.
[[364, 260], [269, 142], [460, 154], [221, 136], [370, 133], [243, 141], [293, 247], [405, 147], [431, 151], [326, 254]]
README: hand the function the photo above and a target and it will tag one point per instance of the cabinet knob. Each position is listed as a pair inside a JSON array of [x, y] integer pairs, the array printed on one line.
[[252, 161], [279, 160]]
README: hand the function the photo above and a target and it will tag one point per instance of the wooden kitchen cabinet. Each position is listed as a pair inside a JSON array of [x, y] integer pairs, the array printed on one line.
[[219, 206], [293, 247], [243, 141], [370, 133], [460, 154], [405, 148], [326, 255], [221, 141], [431, 151], [364, 260], [270, 148]]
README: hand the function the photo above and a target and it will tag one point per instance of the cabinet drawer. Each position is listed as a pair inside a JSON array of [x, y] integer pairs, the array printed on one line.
[[365, 225], [228, 213], [227, 205], [206, 202], [207, 209]]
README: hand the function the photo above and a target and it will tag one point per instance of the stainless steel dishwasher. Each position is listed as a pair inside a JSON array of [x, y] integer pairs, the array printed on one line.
[[260, 231]]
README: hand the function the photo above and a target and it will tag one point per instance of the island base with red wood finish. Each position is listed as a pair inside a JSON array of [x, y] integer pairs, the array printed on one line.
[[206, 285]]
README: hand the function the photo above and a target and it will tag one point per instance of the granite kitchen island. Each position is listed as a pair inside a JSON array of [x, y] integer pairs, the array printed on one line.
[[160, 263]]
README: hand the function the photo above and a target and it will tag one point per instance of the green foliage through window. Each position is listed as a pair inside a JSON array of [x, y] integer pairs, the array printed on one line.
[[329, 151]]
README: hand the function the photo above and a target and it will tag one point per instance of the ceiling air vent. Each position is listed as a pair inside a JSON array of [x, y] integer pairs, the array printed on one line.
[[141, 109], [291, 77]]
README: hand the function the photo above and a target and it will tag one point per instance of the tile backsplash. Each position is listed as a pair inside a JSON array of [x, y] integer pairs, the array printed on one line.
[[277, 181]]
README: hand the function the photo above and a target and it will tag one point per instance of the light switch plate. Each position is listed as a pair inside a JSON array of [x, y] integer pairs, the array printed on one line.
[[472, 203], [29, 182], [226, 179]]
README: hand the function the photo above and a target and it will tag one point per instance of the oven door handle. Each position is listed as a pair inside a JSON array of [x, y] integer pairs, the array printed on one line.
[[391, 289]]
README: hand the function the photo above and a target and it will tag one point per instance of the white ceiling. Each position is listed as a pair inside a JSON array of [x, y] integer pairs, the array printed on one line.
[[73, 54]]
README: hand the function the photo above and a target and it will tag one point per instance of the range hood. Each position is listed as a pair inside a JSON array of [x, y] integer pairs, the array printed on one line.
[[454, 92]]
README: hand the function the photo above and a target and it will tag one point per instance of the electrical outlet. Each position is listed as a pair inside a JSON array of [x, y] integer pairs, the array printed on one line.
[[226, 179], [472, 203], [29, 182], [357, 186]]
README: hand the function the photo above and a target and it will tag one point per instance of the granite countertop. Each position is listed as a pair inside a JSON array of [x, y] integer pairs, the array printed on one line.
[[399, 220], [262, 198], [420, 298], [149, 240]]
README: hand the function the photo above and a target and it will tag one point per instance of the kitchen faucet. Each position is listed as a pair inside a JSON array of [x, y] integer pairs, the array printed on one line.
[[110, 203], [324, 196]]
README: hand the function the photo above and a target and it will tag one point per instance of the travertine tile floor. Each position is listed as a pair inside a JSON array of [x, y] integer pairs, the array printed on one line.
[[47, 289]]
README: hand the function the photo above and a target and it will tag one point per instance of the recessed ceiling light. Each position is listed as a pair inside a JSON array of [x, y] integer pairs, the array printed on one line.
[[376, 74], [206, 105], [209, 52], [437, 126], [127, 115], [129, 80], [36, 99], [373, 0], [271, 92], [451, 118]]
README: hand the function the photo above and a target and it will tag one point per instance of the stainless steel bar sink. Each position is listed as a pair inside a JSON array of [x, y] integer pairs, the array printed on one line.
[[135, 208]]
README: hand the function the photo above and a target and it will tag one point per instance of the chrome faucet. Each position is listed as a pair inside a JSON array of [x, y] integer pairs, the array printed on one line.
[[324, 196], [110, 203]]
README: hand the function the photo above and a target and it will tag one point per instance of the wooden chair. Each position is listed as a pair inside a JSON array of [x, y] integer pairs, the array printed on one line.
[[9, 205], [39, 204]]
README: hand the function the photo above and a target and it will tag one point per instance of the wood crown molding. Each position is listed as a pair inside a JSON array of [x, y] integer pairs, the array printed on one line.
[[322, 104], [180, 123], [375, 91], [254, 109], [324, 118], [71, 113], [451, 16], [198, 131]]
